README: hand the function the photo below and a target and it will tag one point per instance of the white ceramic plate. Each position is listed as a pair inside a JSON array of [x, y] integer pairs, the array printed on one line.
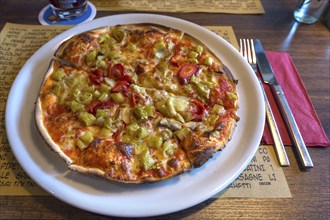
[[109, 198]]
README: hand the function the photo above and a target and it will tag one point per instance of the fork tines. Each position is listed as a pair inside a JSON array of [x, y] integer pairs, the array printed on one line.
[[247, 50]]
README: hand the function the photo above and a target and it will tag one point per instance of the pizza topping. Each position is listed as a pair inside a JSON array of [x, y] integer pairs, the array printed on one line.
[[217, 109], [131, 47], [193, 55], [117, 97], [91, 57], [81, 144], [198, 110], [231, 96], [173, 162], [84, 98], [155, 141], [114, 55], [125, 148], [169, 123], [95, 105], [118, 34], [208, 61], [96, 77], [117, 71], [199, 49], [147, 160], [182, 133], [202, 87], [169, 148], [141, 133], [87, 118], [122, 87], [87, 138], [75, 106], [139, 69], [186, 72], [140, 113], [58, 75]]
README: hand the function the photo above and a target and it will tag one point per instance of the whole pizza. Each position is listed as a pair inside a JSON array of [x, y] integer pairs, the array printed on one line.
[[136, 103]]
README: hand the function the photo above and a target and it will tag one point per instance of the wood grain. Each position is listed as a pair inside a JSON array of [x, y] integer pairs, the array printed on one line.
[[309, 48]]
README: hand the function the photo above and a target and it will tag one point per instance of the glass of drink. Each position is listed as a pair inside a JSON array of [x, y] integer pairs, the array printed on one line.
[[68, 9], [309, 11]]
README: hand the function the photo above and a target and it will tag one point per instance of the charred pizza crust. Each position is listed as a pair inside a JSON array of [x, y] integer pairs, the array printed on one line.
[[136, 103]]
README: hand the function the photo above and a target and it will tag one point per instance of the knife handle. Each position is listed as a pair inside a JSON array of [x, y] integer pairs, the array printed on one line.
[[292, 127], [279, 147]]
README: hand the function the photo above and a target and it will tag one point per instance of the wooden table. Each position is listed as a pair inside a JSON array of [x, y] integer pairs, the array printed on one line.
[[309, 48]]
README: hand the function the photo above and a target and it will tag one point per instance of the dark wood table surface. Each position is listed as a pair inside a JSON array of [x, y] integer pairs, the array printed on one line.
[[309, 47]]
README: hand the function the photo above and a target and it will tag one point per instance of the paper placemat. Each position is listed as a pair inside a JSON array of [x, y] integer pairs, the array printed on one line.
[[263, 178], [219, 6]]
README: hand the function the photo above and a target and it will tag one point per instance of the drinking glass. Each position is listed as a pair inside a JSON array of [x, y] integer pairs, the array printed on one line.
[[68, 9], [309, 11]]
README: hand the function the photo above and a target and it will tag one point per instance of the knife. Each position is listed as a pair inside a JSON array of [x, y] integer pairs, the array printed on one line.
[[268, 77]]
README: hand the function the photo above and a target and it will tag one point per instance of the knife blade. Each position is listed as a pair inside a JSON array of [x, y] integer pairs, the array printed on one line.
[[268, 77]]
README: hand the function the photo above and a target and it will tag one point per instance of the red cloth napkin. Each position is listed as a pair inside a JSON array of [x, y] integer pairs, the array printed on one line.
[[302, 108]]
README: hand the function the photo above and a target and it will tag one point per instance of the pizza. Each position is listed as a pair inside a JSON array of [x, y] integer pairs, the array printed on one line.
[[136, 103]]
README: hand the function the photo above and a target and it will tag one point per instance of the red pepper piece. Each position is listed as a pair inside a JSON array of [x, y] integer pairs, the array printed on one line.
[[187, 71], [109, 69], [198, 110], [126, 78], [121, 86], [175, 60], [98, 72], [135, 97], [118, 71], [96, 77], [95, 105]]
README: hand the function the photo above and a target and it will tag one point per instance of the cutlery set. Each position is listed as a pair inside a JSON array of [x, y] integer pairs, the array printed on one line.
[[254, 54]]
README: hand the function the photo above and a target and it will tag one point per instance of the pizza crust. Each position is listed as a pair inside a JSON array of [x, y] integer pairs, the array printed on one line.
[[100, 173], [200, 149], [39, 119], [44, 133]]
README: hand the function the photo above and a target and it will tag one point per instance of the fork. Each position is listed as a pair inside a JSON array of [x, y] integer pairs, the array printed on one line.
[[247, 51]]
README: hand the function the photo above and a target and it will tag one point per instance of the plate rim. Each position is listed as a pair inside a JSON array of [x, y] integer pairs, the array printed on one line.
[[86, 26]]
